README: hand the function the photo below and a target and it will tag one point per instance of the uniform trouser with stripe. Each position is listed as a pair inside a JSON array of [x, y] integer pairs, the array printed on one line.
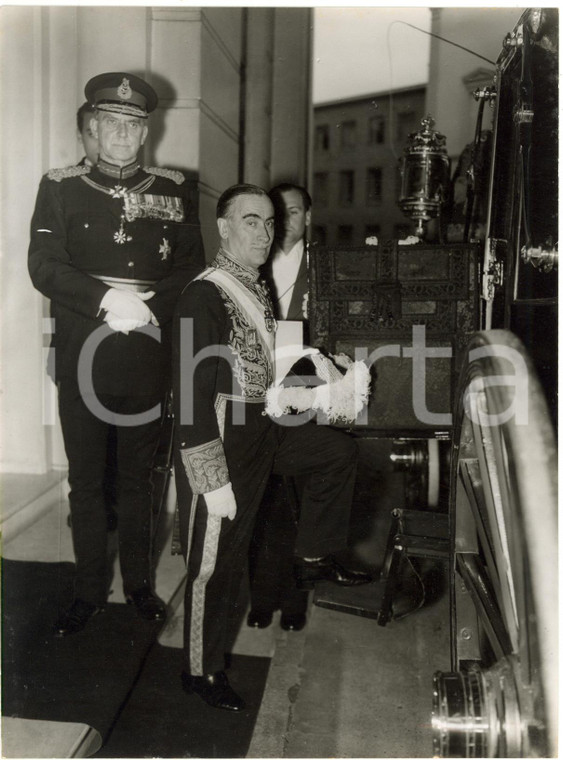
[[86, 442], [217, 548]]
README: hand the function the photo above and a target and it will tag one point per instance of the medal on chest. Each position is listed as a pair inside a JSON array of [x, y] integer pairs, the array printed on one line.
[[122, 194], [120, 237]]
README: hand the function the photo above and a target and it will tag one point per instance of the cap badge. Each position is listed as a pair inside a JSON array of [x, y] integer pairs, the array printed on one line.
[[124, 90]]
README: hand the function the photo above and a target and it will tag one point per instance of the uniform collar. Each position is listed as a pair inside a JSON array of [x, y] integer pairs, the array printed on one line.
[[224, 260], [118, 172]]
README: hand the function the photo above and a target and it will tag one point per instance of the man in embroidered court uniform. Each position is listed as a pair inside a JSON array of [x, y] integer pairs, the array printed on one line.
[[226, 445], [112, 246]]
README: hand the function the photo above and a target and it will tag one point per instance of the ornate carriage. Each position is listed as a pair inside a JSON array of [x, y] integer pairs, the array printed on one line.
[[479, 322]]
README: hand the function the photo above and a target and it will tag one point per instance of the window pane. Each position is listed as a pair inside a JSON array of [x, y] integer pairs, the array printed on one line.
[[401, 231], [406, 123], [344, 234], [346, 188], [320, 188], [374, 186], [373, 230], [322, 137], [376, 130], [348, 134], [398, 181], [319, 234]]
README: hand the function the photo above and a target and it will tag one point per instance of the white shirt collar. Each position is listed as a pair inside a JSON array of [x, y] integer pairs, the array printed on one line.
[[292, 253]]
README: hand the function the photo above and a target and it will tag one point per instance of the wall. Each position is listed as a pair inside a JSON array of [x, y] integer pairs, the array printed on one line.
[[24, 443], [222, 50], [292, 101], [206, 124], [278, 96]]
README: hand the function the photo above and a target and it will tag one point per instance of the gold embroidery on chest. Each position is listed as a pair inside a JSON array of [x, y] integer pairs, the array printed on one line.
[[252, 368]]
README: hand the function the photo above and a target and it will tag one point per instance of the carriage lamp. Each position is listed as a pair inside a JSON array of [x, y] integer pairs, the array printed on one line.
[[425, 175]]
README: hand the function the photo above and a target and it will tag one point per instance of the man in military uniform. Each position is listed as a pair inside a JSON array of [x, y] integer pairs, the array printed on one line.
[[226, 445], [112, 246]]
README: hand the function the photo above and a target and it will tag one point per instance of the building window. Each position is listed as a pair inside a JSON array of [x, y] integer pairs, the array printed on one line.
[[406, 123], [320, 188], [348, 134], [319, 234], [344, 234], [398, 181], [346, 188], [322, 137], [402, 231], [373, 230], [374, 186], [376, 130]]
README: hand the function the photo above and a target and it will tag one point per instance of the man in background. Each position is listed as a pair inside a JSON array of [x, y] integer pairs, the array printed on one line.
[[272, 584], [84, 116], [286, 271]]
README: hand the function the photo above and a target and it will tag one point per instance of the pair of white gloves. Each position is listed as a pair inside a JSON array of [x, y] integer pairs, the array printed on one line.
[[125, 310]]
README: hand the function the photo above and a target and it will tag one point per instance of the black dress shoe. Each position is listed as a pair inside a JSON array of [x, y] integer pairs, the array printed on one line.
[[309, 571], [293, 622], [213, 689], [148, 605], [259, 619], [76, 618]]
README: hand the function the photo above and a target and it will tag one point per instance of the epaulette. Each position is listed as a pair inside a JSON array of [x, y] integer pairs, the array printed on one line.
[[172, 174], [68, 171]]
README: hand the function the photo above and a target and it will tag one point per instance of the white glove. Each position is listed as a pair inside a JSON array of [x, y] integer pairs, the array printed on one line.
[[125, 304], [122, 325], [221, 502]]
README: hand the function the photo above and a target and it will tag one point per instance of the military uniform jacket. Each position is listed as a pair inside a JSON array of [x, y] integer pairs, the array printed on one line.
[[135, 228], [238, 366]]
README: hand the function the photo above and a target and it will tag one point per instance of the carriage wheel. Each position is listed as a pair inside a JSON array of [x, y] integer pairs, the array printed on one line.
[[501, 698]]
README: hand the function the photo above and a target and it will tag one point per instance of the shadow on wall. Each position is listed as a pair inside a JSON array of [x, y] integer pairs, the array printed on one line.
[[167, 94]]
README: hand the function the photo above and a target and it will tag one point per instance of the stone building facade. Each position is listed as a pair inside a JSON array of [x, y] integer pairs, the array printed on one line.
[[358, 145]]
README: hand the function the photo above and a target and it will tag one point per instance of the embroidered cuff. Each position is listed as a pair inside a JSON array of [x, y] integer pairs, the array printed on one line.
[[206, 466]]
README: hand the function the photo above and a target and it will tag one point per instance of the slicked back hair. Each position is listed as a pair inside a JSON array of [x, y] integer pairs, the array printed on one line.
[[85, 108], [277, 198], [225, 201]]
